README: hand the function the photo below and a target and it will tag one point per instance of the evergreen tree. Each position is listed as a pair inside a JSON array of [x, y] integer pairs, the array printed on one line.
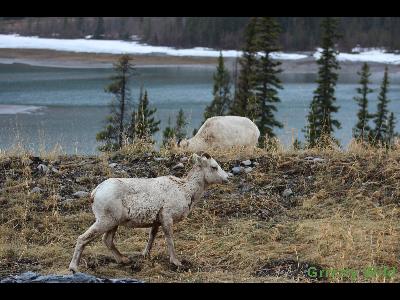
[[391, 134], [99, 31], [180, 127], [266, 79], [168, 133], [112, 136], [222, 95], [320, 120], [362, 129], [381, 116], [246, 80], [145, 123]]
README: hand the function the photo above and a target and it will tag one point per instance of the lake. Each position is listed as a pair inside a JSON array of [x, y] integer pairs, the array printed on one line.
[[68, 106]]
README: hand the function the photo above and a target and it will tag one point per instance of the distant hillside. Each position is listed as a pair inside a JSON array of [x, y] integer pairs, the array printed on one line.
[[298, 33]]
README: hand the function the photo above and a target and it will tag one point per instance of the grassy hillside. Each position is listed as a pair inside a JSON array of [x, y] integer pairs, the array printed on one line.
[[343, 213]]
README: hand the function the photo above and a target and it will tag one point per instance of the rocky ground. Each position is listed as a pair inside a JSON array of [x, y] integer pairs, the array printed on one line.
[[280, 214]]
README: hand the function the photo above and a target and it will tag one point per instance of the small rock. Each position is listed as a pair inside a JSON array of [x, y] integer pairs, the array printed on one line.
[[287, 192], [309, 177], [113, 165], [43, 168], [55, 170], [178, 166], [248, 169], [159, 158], [80, 194], [318, 159], [36, 190], [237, 170], [255, 163], [246, 162], [184, 159]]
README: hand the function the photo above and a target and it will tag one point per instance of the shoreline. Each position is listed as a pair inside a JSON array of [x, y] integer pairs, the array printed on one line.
[[64, 59]]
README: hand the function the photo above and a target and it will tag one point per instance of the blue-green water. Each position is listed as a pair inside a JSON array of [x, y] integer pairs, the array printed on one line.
[[74, 105]]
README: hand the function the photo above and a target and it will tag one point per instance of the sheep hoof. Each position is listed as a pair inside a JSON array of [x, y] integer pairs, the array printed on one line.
[[176, 262], [73, 269]]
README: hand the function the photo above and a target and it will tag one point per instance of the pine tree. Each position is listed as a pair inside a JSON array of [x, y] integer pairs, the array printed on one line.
[[320, 120], [180, 127], [99, 31], [246, 80], [267, 82], [168, 133], [222, 95], [391, 134], [381, 116], [112, 136], [146, 125], [362, 129]]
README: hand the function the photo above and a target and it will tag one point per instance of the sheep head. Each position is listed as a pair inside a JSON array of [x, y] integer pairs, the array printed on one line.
[[213, 173]]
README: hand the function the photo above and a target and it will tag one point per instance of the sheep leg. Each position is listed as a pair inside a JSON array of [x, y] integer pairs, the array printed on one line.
[[94, 231], [108, 239], [168, 232], [152, 235]]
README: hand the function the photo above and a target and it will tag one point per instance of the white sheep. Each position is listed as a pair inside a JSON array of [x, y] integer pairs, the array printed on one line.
[[147, 203], [223, 132]]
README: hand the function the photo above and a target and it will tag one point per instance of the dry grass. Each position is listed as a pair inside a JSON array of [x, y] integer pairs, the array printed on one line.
[[344, 213]]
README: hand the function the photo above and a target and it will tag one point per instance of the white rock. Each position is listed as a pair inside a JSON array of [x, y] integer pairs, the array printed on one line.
[[255, 163], [159, 158], [246, 162], [113, 165], [80, 194], [55, 170], [287, 192], [43, 168], [237, 170], [318, 159], [36, 190], [248, 169], [184, 159]]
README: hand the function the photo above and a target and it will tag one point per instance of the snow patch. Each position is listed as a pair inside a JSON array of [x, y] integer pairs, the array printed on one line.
[[10, 41], [377, 55]]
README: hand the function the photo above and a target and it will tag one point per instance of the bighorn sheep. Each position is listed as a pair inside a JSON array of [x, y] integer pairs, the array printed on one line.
[[147, 203], [223, 132]]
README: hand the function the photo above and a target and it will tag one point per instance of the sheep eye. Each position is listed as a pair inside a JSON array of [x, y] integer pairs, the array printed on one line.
[[214, 168]]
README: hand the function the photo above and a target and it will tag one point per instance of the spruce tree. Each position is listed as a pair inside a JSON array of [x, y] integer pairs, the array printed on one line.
[[391, 134], [362, 129], [145, 123], [221, 92], [381, 116], [168, 133], [99, 31], [246, 80], [112, 136], [180, 126], [267, 81], [321, 123]]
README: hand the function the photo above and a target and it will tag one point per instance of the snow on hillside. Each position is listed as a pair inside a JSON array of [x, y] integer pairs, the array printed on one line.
[[117, 47], [366, 55], [11, 41]]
